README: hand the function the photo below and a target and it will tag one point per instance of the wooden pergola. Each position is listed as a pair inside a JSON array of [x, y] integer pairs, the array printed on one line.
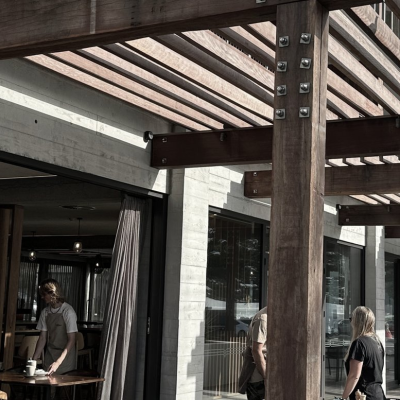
[[227, 71]]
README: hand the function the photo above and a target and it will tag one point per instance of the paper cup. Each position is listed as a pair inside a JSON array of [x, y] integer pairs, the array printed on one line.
[[30, 370]]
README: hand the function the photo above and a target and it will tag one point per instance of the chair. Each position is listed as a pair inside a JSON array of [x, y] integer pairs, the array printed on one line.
[[81, 350], [26, 350], [80, 392]]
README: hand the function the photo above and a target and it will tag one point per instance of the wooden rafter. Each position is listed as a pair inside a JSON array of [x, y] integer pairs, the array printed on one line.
[[376, 28], [355, 180], [154, 68], [362, 46], [345, 138], [28, 28], [364, 215]]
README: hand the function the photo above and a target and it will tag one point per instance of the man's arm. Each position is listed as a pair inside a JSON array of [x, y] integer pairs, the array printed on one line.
[[40, 345], [258, 356]]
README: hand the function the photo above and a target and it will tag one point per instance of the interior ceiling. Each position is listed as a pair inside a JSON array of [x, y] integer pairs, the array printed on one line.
[[224, 78], [44, 198]]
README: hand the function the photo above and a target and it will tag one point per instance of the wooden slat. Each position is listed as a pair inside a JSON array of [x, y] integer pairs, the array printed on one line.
[[111, 90], [228, 55], [12, 284], [198, 75], [345, 138], [377, 29], [296, 241], [163, 73], [364, 215], [249, 44], [28, 28], [379, 179], [340, 107], [5, 218], [351, 67], [267, 31], [126, 82], [360, 44], [392, 232]]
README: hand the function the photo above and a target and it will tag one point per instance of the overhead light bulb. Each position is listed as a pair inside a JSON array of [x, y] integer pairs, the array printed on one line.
[[32, 255], [77, 247]]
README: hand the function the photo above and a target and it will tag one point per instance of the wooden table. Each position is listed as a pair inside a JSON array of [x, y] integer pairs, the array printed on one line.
[[46, 382]]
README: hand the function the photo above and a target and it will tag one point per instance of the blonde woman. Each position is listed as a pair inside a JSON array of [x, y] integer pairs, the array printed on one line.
[[365, 358], [57, 324]]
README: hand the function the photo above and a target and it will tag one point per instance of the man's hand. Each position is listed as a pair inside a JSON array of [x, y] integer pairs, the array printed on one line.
[[53, 368]]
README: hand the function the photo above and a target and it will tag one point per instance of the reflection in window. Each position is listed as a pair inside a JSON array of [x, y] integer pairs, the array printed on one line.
[[342, 295], [233, 297]]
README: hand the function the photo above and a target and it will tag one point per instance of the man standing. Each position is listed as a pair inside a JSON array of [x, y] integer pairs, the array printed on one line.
[[253, 374]]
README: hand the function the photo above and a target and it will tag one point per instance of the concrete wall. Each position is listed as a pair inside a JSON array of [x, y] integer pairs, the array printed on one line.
[[52, 119]]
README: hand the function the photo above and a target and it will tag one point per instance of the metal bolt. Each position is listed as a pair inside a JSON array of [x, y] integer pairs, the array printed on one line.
[[281, 89], [255, 191], [254, 173], [304, 87], [282, 66], [305, 63], [304, 112], [305, 38], [284, 41], [280, 113], [164, 140], [347, 219], [164, 160]]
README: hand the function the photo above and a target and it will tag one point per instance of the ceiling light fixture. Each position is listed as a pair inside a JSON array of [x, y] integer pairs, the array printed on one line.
[[32, 253], [78, 244]]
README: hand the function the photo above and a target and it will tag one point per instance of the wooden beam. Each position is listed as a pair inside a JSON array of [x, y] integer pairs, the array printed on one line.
[[5, 219], [12, 285], [345, 138], [376, 28], [349, 65], [28, 28], [360, 44], [296, 241], [365, 215], [392, 232], [183, 66], [378, 179]]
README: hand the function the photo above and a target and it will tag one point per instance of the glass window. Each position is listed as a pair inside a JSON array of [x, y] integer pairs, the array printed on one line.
[[342, 294], [390, 333], [233, 297]]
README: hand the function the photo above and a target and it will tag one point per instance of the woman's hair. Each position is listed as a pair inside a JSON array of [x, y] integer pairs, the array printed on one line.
[[53, 288], [363, 323]]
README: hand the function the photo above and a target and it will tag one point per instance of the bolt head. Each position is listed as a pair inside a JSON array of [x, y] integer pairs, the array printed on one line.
[[164, 140], [281, 89], [164, 160], [283, 40], [303, 111], [281, 65], [305, 62]]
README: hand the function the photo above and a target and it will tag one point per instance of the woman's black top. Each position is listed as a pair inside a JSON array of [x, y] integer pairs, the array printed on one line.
[[369, 350]]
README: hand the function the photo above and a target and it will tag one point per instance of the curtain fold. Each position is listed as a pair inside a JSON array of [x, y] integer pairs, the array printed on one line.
[[118, 343]]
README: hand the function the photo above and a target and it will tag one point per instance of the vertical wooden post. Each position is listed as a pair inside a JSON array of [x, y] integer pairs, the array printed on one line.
[[12, 283], [5, 218], [295, 274]]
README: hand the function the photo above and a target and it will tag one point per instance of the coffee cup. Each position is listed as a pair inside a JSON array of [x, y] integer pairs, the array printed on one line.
[[31, 362], [30, 370]]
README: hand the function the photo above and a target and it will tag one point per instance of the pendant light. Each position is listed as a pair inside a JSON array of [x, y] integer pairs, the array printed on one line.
[[78, 244], [32, 253]]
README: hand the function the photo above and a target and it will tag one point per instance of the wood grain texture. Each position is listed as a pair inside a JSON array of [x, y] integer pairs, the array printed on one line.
[[361, 45], [377, 30], [392, 232], [342, 181], [296, 241], [17, 220], [28, 28], [5, 218], [344, 139], [369, 215]]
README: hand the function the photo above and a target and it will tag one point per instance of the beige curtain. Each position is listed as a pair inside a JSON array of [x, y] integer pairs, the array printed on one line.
[[118, 343]]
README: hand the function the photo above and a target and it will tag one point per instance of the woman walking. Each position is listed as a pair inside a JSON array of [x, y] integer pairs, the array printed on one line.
[[365, 358]]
